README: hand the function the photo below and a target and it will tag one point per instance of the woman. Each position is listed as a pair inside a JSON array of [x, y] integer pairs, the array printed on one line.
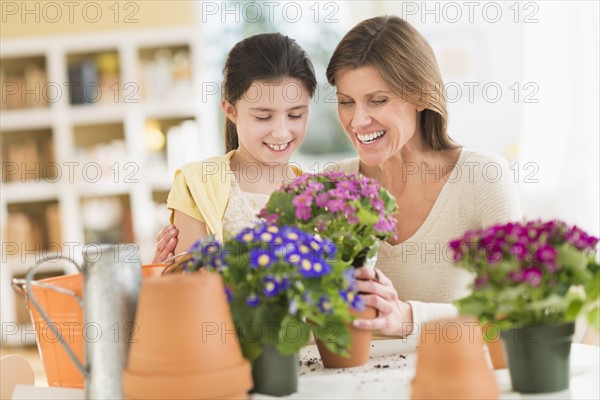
[[392, 107]]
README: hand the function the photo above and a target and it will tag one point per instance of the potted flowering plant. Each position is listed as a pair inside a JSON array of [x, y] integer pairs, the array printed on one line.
[[352, 211], [276, 277], [532, 280]]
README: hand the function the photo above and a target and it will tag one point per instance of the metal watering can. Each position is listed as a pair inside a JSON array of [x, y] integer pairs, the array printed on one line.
[[111, 284]]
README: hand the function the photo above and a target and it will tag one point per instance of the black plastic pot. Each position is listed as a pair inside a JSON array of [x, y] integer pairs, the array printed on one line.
[[538, 357], [274, 374]]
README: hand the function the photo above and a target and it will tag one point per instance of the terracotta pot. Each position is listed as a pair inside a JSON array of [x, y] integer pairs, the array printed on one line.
[[185, 345], [495, 347], [451, 362], [360, 344], [66, 315], [150, 270]]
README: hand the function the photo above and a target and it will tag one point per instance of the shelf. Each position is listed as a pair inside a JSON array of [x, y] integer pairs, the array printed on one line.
[[28, 155], [22, 119], [88, 114], [94, 77], [24, 81], [17, 192], [165, 72]]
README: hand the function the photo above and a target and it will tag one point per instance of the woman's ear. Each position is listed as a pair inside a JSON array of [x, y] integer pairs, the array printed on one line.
[[419, 108], [229, 110]]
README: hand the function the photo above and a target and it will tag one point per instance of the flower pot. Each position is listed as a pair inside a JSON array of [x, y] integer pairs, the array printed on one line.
[[360, 344], [185, 345], [538, 357], [495, 347], [451, 362], [274, 374]]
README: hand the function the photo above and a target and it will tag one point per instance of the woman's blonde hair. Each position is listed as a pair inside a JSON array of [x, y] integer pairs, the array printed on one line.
[[406, 63]]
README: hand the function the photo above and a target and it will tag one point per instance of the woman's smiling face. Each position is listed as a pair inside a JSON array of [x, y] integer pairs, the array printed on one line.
[[378, 121]]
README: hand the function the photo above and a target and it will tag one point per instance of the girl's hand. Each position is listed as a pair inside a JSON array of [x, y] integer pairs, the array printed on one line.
[[394, 317], [166, 241]]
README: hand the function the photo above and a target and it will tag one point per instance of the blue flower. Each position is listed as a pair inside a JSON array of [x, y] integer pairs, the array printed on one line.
[[325, 305], [260, 258], [293, 308], [313, 269], [353, 299], [253, 300], [228, 294], [271, 287], [246, 235]]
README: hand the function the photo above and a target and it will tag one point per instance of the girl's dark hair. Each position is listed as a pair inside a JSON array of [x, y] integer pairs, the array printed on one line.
[[406, 63], [263, 57]]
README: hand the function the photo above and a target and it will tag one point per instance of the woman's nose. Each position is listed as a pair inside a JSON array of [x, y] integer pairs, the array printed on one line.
[[360, 118]]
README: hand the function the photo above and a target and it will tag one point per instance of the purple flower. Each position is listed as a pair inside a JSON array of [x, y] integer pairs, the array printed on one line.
[[547, 255], [519, 250], [336, 205], [303, 203], [533, 276], [494, 253], [480, 282], [228, 294]]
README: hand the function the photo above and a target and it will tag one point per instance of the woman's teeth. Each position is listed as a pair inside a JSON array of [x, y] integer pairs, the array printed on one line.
[[370, 137], [278, 147]]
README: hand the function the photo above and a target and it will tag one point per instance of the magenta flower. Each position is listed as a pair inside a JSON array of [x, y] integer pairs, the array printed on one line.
[[533, 276]]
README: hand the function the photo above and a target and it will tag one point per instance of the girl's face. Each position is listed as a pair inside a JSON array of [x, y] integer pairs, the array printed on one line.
[[271, 119], [377, 121]]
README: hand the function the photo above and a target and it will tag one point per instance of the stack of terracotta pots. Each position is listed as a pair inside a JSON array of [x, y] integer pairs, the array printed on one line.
[[451, 362], [185, 345]]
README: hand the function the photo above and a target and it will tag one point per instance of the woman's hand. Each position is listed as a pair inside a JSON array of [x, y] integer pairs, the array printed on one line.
[[166, 241], [394, 317]]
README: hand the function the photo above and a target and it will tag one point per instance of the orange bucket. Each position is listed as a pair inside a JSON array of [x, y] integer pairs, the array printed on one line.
[[66, 315], [151, 270], [60, 298]]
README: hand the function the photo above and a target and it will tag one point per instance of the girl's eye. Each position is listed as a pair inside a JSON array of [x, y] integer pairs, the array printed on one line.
[[263, 118], [295, 116], [379, 102]]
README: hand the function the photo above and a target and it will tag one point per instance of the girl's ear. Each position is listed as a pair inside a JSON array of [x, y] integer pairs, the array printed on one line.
[[229, 110], [419, 108]]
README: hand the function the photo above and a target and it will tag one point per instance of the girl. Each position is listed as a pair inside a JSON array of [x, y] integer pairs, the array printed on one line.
[[268, 83]]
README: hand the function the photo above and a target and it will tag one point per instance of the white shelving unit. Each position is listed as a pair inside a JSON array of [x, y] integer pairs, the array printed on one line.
[[132, 178]]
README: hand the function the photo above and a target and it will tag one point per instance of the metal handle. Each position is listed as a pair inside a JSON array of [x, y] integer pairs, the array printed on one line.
[[30, 282]]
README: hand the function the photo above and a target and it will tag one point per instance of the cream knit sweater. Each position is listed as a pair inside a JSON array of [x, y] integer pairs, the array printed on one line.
[[479, 192]]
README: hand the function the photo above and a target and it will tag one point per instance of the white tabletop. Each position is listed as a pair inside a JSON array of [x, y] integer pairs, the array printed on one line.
[[387, 376], [392, 366]]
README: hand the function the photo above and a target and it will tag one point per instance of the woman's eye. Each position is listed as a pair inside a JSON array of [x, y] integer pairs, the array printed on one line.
[[379, 102], [295, 116], [344, 103], [262, 118]]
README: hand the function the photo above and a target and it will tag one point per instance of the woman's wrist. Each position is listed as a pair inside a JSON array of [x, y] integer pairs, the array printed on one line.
[[406, 315]]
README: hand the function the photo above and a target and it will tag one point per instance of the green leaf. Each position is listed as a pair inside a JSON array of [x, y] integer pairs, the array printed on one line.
[[593, 318], [293, 335]]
